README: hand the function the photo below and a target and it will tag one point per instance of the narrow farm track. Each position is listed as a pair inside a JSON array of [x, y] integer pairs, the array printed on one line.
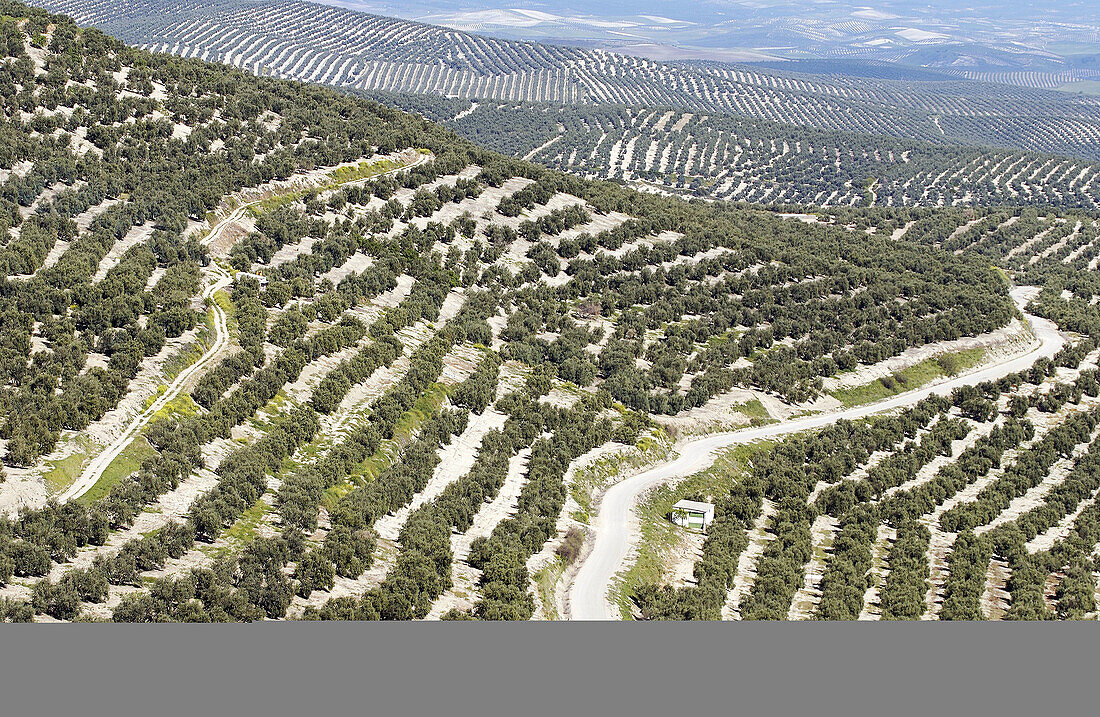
[[233, 216], [94, 471], [587, 596]]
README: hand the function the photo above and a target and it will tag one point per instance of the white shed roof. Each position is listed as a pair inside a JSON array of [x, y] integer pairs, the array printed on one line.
[[694, 505]]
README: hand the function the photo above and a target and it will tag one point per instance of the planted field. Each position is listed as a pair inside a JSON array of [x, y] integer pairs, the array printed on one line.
[[318, 43], [741, 133], [980, 504], [750, 160], [274, 352], [977, 505], [314, 358]]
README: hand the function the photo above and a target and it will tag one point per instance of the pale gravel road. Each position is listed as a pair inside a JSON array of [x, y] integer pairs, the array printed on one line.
[[586, 598]]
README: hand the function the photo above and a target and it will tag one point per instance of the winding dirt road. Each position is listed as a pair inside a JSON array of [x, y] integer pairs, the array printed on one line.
[[587, 599]]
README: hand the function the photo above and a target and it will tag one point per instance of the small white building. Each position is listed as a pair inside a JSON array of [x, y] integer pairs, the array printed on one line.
[[693, 514]]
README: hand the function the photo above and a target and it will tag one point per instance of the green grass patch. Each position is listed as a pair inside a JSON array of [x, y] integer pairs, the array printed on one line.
[[256, 209], [389, 452], [161, 390], [63, 472], [343, 175], [221, 298], [723, 338], [244, 529], [332, 495], [943, 365], [363, 170], [271, 411], [122, 466], [426, 405], [545, 582], [660, 538], [754, 410], [308, 454], [181, 406]]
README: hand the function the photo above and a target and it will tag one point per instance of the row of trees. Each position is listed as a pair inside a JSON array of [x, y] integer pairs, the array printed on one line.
[[426, 202], [502, 557], [968, 563], [1030, 468], [895, 470], [975, 461], [902, 597], [299, 497], [336, 383], [539, 192], [848, 573], [251, 327], [422, 570], [349, 544], [1075, 596], [423, 303], [1080, 484], [478, 391], [554, 223], [274, 230]]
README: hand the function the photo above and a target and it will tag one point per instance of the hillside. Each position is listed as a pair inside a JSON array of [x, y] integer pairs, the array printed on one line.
[[748, 160], [335, 46], [744, 129], [274, 351]]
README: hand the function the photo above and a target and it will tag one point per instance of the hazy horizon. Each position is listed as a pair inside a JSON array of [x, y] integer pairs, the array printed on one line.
[[1044, 35]]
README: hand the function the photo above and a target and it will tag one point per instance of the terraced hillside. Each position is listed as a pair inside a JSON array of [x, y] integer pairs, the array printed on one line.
[[718, 131], [335, 46], [978, 503], [741, 159], [272, 351]]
